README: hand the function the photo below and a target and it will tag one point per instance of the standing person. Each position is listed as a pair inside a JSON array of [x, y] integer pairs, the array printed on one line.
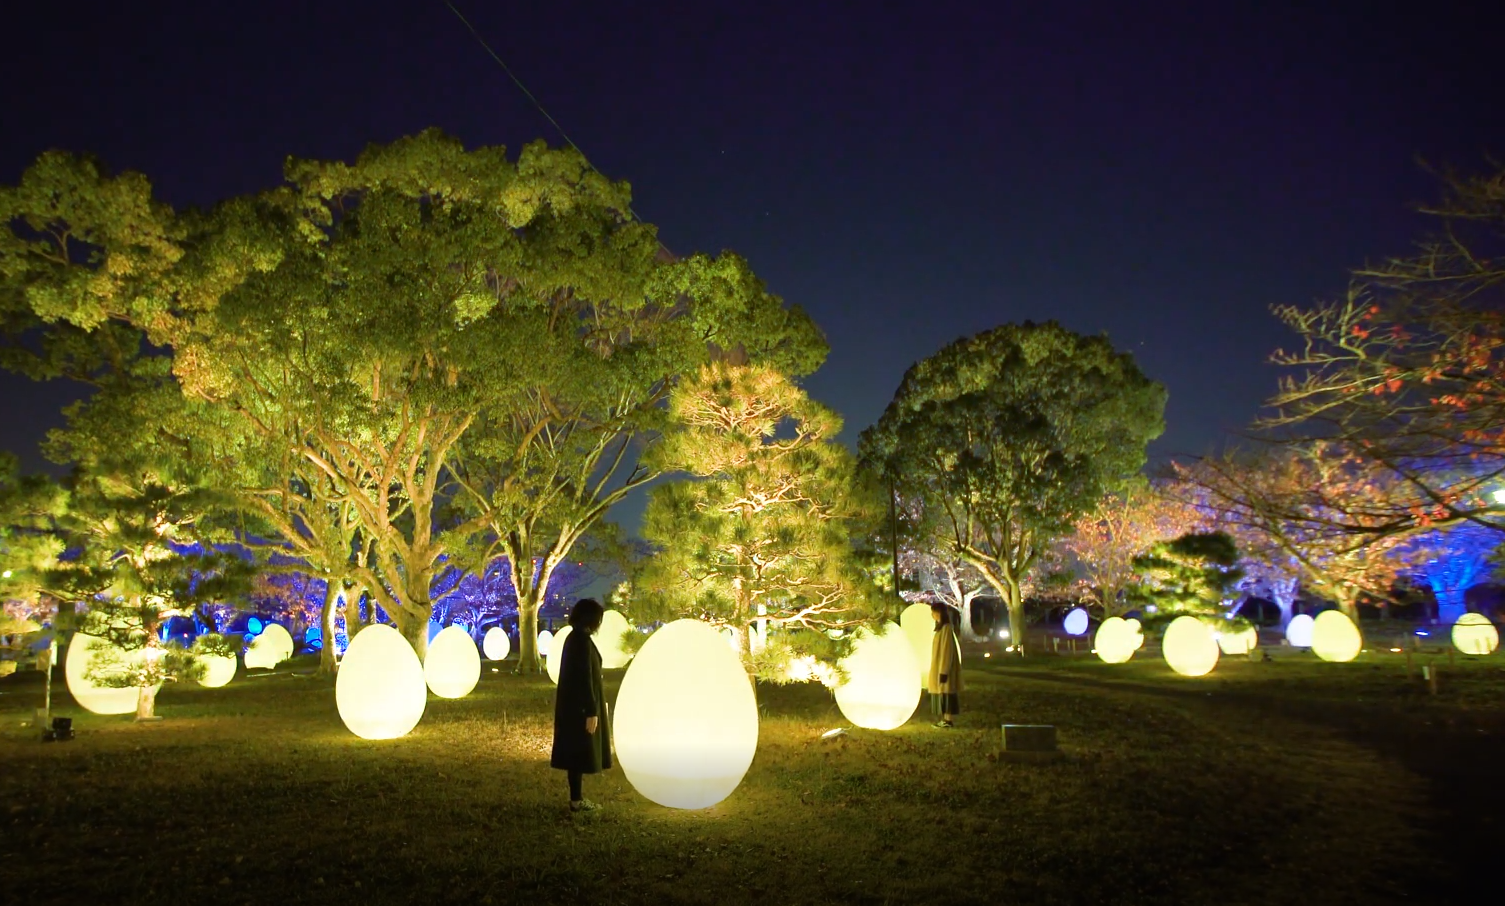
[[945, 680], [582, 732]]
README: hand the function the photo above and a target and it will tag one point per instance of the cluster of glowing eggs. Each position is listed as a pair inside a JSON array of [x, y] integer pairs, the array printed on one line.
[[556, 654], [270, 648], [380, 690], [1335, 638], [686, 721], [1076, 622], [1475, 634], [609, 640], [1189, 647], [879, 692], [496, 644], [219, 669], [1117, 639], [919, 628], [452, 666], [1299, 631], [89, 694], [1239, 641]]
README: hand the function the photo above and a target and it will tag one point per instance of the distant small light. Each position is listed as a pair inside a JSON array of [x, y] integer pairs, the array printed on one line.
[[1500, 496], [1422, 632], [1151, 608], [832, 734], [1396, 650], [987, 654], [5, 575], [1003, 633]]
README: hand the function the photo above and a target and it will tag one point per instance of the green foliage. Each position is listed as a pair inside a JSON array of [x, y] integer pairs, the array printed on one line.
[[1193, 574]]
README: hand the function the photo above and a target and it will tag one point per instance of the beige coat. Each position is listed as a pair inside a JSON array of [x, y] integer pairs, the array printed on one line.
[[945, 658]]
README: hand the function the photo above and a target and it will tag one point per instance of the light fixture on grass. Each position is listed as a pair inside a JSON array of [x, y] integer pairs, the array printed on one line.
[[380, 690]]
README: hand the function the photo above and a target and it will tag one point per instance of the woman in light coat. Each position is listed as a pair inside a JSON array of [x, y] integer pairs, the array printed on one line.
[[945, 680]]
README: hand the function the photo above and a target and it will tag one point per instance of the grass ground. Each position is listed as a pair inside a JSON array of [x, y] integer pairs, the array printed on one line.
[[1280, 782]]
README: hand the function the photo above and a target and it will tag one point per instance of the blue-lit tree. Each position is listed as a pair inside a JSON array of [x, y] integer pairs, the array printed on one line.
[[1451, 561]]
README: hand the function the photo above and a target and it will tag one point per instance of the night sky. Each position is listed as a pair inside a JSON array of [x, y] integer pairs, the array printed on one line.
[[907, 176]]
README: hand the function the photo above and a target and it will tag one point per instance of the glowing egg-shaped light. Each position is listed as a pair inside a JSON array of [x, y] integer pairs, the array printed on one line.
[[89, 695], [1189, 647], [609, 637], [1238, 641], [879, 692], [1138, 629], [1335, 638], [919, 628], [452, 666], [1475, 634], [496, 644], [1117, 639], [379, 690], [686, 721], [219, 669], [1076, 622], [273, 646], [545, 639], [1299, 631], [556, 654]]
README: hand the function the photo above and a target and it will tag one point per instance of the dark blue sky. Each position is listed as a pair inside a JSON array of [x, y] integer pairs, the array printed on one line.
[[908, 172]]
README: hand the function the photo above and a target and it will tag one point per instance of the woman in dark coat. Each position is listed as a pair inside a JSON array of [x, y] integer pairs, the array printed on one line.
[[582, 733], [945, 680]]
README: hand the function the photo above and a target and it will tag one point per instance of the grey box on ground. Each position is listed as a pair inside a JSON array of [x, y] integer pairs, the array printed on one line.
[[1030, 742]]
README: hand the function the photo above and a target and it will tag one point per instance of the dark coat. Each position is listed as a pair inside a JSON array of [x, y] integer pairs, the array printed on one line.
[[579, 696]]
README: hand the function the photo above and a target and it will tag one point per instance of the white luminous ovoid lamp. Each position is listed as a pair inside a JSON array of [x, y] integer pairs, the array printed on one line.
[[91, 696], [1076, 622], [880, 692], [452, 666], [1299, 631], [686, 721], [1475, 634], [1335, 638], [919, 628], [609, 638], [1189, 647], [379, 691], [1138, 629], [496, 644], [556, 654], [269, 648], [219, 670], [1238, 641], [545, 639], [1116, 640]]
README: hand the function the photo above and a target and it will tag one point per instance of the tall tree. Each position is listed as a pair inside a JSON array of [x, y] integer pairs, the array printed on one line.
[[1123, 525], [1194, 574], [1011, 435]]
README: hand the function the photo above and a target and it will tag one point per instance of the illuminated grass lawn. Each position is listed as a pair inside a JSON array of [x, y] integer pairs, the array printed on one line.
[[1291, 781]]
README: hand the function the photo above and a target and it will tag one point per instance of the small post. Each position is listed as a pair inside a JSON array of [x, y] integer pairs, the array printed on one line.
[[1408, 661]]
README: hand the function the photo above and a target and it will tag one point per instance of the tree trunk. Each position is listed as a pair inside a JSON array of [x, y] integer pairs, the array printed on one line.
[[527, 638], [327, 662], [1450, 605], [353, 621], [1015, 604], [146, 702]]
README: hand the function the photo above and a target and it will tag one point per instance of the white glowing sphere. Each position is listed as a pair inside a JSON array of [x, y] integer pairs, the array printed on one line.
[[92, 697], [1335, 638], [556, 654], [496, 644], [452, 666], [219, 669], [1299, 631], [1117, 639], [608, 639], [919, 628], [1239, 641], [1475, 634], [879, 693], [686, 720], [545, 639], [380, 690], [1076, 622], [1189, 647], [270, 648]]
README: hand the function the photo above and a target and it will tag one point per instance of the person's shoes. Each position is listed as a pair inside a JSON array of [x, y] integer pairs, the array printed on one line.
[[584, 805], [943, 725]]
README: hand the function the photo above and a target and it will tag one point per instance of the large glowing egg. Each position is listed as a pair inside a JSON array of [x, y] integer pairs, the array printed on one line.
[[219, 669], [496, 644], [545, 639], [1138, 629], [452, 666], [380, 690], [608, 639], [1117, 639], [556, 654], [1475, 634], [919, 628], [91, 696], [686, 720], [1299, 631], [1335, 637], [273, 646], [1189, 647], [1239, 641], [879, 692], [1076, 622]]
